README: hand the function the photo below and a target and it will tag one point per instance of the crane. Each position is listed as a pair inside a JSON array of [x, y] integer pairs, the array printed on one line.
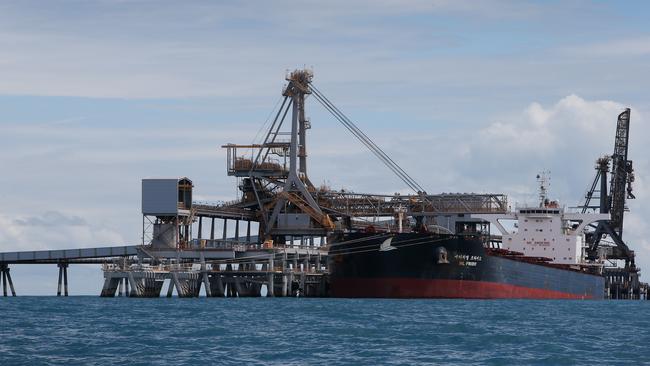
[[613, 202]]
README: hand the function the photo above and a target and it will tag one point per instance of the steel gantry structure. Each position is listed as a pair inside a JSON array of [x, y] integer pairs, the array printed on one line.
[[276, 187]]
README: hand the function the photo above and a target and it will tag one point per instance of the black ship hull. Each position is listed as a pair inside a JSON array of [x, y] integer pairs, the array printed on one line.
[[413, 265]]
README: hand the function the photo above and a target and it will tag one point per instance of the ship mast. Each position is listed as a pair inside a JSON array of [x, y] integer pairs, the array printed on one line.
[[544, 179]]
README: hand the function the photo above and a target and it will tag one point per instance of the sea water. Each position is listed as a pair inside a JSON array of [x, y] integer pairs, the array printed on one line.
[[303, 331]]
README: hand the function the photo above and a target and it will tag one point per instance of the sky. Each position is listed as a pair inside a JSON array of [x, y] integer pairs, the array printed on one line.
[[466, 96]]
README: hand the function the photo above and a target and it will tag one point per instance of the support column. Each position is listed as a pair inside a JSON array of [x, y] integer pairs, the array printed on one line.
[[303, 288], [204, 275], [248, 231], [170, 289], [65, 279], [4, 283], [58, 290], [200, 236], [225, 229], [221, 292], [237, 230], [11, 283], [110, 286], [290, 285], [239, 287], [212, 231], [206, 284], [232, 291], [270, 287], [179, 288], [135, 289], [284, 284]]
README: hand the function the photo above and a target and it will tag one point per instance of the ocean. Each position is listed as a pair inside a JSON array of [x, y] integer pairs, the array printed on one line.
[[306, 331]]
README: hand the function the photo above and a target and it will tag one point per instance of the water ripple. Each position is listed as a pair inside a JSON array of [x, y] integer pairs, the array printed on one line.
[[94, 331]]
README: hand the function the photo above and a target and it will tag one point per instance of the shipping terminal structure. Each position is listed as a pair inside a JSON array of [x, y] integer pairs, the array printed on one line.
[[284, 236]]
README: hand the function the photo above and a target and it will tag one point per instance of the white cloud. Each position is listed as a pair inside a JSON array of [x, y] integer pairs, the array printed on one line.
[[543, 132]]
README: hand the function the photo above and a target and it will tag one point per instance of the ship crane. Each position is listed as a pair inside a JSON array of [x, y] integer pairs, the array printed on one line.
[[612, 202]]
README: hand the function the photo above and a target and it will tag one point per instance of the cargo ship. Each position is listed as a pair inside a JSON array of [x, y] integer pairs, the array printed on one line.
[[539, 254]]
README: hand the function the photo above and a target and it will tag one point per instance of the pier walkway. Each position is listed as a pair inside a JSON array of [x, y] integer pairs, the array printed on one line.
[[62, 258]]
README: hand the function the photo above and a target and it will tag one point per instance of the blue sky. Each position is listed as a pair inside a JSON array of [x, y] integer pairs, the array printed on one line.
[[466, 96]]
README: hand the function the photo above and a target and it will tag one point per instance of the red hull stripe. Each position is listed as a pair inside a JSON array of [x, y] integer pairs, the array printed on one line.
[[444, 289]]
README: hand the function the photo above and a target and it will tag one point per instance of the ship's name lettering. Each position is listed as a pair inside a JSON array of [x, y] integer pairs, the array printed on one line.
[[467, 257], [468, 260]]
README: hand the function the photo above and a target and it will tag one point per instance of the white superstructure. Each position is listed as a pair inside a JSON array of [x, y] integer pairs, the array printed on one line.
[[545, 230]]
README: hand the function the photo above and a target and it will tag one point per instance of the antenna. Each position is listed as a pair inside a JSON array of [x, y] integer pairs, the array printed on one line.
[[544, 180]]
